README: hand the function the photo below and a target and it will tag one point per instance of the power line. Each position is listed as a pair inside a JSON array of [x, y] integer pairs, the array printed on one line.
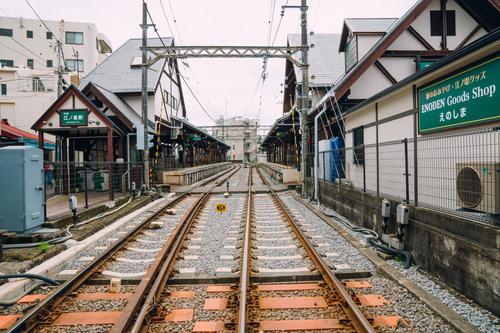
[[24, 47], [18, 52], [179, 35], [279, 24], [53, 35], [196, 98]]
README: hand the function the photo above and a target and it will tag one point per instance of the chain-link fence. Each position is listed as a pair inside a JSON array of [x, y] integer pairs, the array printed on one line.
[[457, 173], [93, 182]]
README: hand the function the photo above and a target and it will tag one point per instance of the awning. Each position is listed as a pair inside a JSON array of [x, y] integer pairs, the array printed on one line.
[[30, 139]]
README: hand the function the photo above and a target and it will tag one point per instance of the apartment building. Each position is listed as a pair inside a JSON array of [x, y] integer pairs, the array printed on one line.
[[26, 43], [29, 60]]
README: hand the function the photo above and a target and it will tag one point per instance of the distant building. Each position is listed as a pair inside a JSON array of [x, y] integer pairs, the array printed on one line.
[[240, 135]]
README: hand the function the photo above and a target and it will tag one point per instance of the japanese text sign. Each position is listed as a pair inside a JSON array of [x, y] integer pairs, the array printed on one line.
[[469, 97], [74, 117]]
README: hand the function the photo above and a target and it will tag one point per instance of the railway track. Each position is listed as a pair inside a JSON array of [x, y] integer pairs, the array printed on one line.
[[257, 266], [134, 257]]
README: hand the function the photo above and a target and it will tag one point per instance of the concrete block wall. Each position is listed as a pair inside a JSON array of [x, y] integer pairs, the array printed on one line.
[[462, 253]]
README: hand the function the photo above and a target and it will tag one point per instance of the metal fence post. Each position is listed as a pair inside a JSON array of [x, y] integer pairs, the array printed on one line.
[[407, 176], [85, 185], [324, 170], [364, 169]]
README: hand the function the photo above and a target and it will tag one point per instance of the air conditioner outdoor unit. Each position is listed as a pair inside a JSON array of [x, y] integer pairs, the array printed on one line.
[[478, 186]]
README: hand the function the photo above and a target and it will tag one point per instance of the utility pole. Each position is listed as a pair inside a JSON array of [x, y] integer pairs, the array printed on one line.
[[75, 53], [304, 99], [59, 69], [144, 27]]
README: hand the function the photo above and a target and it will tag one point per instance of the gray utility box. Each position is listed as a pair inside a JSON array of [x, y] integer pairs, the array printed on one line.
[[21, 188]]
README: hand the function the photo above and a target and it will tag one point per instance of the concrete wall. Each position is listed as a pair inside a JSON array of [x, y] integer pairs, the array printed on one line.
[[461, 253]]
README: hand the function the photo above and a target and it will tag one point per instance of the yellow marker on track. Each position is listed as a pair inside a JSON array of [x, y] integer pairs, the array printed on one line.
[[220, 208]]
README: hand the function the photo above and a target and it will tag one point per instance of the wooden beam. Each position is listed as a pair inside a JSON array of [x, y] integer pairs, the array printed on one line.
[[444, 33], [110, 163], [40, 140], [420, 38], [469, 36], [411, 54], [360, 68], [385, 72]]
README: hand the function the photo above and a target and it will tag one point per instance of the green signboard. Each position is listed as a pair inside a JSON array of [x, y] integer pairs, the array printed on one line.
[[467, 98], [74, 117], [423, 64]]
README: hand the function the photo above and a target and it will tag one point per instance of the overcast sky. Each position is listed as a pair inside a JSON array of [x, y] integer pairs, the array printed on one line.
[[215, 22]]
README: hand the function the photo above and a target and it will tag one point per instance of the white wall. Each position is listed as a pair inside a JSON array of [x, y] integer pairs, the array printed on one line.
[[371, 82], [365, 43]]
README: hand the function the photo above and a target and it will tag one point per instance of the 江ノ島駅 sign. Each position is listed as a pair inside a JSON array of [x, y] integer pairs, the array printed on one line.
[[467, 98], [74, 117]]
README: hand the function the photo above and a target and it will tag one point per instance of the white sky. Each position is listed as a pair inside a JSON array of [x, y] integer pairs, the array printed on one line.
[[215, 22]]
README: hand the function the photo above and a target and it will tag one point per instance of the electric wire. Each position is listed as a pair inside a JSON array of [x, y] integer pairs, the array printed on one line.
[[53, 35]]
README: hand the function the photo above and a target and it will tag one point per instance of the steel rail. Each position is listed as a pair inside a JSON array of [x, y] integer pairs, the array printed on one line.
[[245, 264], [31, 319], [358, 320], [151, 290]]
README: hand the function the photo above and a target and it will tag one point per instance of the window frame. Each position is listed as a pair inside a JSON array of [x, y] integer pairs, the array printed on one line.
[[10, 63], [29, 34], [74, 33], [51, 63], [6, 32], [30, 63], [3, 89], [436, 17], [73, 61], [48, 35], [358, 145]]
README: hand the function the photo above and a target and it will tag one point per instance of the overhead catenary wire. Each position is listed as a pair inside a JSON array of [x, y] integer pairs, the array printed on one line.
[[193, 90]]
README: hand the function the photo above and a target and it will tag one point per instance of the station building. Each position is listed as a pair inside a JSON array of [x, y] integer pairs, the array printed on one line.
[[98, 125], [416, 110], [326, 66]]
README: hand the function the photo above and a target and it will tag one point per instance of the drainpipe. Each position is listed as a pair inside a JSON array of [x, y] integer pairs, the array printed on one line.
[[316, 153]]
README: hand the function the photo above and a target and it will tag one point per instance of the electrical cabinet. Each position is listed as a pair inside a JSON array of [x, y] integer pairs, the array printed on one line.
[[21, 188]]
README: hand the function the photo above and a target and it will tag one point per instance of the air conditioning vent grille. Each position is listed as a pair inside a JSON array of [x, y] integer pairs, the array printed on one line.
[[469, 187]]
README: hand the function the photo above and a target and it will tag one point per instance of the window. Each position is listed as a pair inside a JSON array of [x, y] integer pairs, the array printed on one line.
[[4, 89], [5, 32], [6, 63], [358, 143], [74, 37], [29, 33], [74, 66], [29, 63], [49, 63], [48, 35], [437, 23]]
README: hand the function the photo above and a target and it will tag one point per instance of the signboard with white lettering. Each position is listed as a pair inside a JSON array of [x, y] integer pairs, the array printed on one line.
[[466, 98], [74, 117]]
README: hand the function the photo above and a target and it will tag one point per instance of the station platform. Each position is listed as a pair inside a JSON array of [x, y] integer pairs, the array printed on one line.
[[282, 174], [189, 176], [57, 206]]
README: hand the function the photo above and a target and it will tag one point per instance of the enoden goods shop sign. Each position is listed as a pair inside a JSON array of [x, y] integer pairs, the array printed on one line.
[[466, 98]]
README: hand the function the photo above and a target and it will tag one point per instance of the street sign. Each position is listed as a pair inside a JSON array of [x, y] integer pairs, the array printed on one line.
[[74, 117], [469, 97], [220, 208]]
